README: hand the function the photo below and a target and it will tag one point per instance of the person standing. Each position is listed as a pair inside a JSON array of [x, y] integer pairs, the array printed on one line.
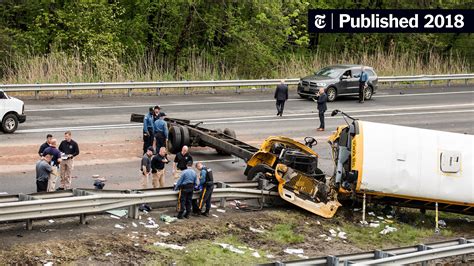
[[207, 183], [45, 145], [43, 172], [185, 185], [281, 95], [70, 148], [161, 132], [322, 107], [180, 161], [363, 79], [55, 161], [146, 167], [156, 112], [158, 168], [148, 131]]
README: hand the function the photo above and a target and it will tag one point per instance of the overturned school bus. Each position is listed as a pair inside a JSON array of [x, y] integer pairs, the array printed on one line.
[[404, 166]]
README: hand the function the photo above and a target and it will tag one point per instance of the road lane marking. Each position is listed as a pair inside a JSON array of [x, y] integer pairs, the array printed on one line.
[[338, 117], [128, 126], [226, 102], [346, 111]]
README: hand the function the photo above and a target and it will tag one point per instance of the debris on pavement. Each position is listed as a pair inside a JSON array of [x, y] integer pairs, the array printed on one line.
[[134, 224], [323, 235], [159, 233], [270, 256], [213, 206], [169, 246], [294, 251], [333, 232], [230, 248], [213, 215], [49, 253], [303, 256], [49, 263], [255, 230], [115, 217], [108, 254], [168, 219], [51, 221], [220, 210], [256, 255], [328, 239], [388, 229], [151, 223]]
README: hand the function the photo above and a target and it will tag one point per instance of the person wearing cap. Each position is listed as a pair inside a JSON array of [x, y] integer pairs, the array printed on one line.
[[145, 168], [45, 145], [156, 112], [185, 185], [161, 132], [148, 131]]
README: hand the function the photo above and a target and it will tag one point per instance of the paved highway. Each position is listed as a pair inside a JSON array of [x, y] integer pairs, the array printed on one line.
[[110, 144]]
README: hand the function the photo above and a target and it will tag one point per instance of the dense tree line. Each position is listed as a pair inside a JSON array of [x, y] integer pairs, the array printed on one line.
[[248, 35]]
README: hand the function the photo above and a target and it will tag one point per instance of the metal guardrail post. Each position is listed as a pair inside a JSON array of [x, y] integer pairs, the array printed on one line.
[[391, 84], [461, 242], [99, 92], [332, 260], [129, 92], [158, 91], [223, 200], [213, 90], [422, 247], [82, 219], [449, 83], [237, 89], [69, 94], [37, 95], [465, 81], [430, 83], [185, 91], [133, 211]]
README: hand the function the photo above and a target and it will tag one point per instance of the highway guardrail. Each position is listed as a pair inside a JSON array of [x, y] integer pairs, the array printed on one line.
[[212, 84]]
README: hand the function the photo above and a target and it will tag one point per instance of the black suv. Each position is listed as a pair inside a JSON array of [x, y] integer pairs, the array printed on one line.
[[338, 80]]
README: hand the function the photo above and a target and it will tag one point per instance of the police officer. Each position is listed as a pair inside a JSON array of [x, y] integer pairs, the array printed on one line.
[[185, 185], [158, 168], [363, 79], [148, 131], [45, 145], [161, 132], [207, 183]]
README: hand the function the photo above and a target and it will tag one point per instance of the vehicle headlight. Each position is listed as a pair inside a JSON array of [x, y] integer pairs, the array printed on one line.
[[321, 84]]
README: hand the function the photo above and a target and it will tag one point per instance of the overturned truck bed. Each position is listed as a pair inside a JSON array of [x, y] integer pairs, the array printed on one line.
[[298, 179]]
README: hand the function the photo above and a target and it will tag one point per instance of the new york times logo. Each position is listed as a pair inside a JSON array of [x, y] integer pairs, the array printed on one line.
[[423, 20], [319, 21]]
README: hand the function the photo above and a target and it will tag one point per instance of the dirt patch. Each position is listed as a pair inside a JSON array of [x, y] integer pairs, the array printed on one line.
[[100, 241]]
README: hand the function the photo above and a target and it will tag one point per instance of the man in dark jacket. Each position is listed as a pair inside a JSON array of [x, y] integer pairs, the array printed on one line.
[[322, 107], [281, 95]]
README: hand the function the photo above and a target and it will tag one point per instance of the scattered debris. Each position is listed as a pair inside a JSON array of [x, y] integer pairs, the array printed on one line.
[[115, 217], [118, 226], [364, 222], [442, 224], [380, 218], [270, 256], [328, 239], [231, 248], [255, 230], [303, 256], [323, 235], [51, 221], [294, 251], [220, 210], [342, 235], [256, 255], [134, 224], [318, 222], [387, 230], [162, 233], [151, 223], [389, 216], [49, 253], [371, 213], [213, 206], [118, 213], [136, 244], [213, 215], [108, 254], [357, 209], [333, 232], [168, 219], [170, 246], [374, 225]]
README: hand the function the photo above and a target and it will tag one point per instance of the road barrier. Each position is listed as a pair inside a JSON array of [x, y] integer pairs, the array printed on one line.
[[185, 85], [395, 256], [79, 202]]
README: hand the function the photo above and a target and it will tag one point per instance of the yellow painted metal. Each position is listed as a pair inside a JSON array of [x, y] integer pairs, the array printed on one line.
[[303, 184]]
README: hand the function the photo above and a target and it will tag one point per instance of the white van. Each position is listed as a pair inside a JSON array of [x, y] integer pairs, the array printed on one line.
[[12, 112]]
